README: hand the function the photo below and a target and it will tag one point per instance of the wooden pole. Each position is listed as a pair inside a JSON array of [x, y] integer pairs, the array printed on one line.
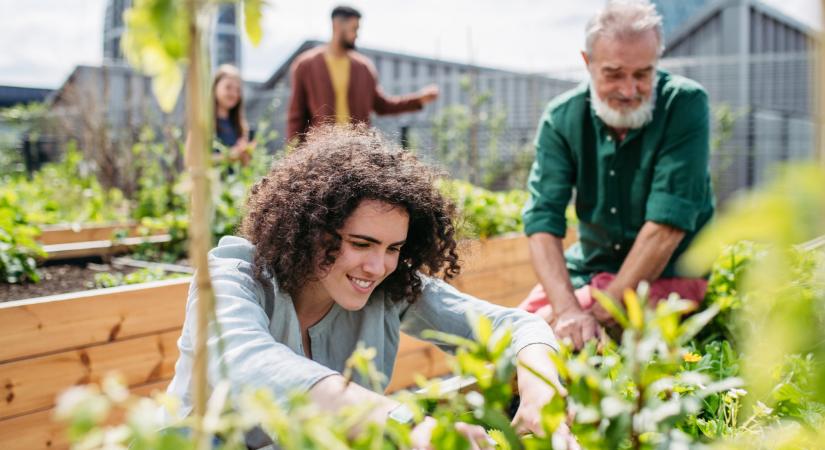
[[197, 161]]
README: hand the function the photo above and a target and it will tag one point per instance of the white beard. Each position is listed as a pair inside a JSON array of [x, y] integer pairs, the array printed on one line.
[[630, 120]]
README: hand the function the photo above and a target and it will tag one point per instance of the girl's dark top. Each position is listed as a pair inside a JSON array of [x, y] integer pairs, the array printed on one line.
[[225, 132]]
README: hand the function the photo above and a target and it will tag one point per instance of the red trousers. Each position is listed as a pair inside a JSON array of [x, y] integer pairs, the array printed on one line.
[[687, 288]]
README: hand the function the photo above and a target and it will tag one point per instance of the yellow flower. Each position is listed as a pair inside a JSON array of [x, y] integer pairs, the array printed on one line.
[[691, 357]]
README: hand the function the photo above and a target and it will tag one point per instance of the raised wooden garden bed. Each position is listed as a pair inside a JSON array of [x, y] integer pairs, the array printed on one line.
[[65, 242], [64, 234], [51, 343]]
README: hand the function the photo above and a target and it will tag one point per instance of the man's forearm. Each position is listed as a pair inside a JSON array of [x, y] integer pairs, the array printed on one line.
[[648, 257], [547, 254]]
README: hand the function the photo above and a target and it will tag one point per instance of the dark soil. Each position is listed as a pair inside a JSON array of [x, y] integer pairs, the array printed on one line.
[[58, 279]]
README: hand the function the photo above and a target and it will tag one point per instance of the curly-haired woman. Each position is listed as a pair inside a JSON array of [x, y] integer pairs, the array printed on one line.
[[336, 241]]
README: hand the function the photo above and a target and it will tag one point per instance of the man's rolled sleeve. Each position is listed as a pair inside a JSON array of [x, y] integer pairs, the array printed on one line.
[[550, 183], [679, 187]]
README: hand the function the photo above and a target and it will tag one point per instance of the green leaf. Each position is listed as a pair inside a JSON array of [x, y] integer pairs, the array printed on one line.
[[610, 306], [483, 329], [634, 309], [252, 20], [166, 85], [693, 325]]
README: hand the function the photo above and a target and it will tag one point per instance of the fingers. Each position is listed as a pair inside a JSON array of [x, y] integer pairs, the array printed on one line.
[[421, 435], [571, 330], [568, 438], [588, 332], [478, 437], [579, 328], [527, 421]]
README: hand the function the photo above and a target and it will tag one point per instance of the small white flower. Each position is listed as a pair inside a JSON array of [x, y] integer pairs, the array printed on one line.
[[81, 401], [116, 438], [737, 393], [143, 417], [762, 409], [475, 399], [115, 388]]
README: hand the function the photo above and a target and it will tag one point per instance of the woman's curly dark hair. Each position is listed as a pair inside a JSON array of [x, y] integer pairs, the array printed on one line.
[[298, 208]]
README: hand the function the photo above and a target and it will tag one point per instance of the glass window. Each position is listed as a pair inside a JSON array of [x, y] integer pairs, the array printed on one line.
[[226, 14]]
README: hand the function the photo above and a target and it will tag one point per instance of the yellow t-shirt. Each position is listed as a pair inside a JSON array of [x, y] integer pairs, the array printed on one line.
[[339, 74]]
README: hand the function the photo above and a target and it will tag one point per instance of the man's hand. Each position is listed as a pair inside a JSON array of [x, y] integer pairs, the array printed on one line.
[[584, 296], [428, 94], [577, 325]]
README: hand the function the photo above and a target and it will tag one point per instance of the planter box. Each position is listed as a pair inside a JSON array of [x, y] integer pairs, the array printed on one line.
[[64, 234], [51, 343], [62, 242]]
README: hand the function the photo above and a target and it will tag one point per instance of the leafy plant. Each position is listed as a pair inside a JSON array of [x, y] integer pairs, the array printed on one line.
[[145, 275], [485, 213], [68, 192], [18, 248], [779, 326]]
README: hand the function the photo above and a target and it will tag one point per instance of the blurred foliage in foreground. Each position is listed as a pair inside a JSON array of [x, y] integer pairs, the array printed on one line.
[[747, 371]]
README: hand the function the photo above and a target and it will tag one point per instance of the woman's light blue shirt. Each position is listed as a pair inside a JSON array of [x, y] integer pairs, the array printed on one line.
[[262, 337]]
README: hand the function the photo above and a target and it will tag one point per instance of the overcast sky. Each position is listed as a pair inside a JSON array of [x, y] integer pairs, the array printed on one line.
[[41, 41]]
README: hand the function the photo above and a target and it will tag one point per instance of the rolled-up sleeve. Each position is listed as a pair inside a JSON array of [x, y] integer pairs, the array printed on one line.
[[251, 356], [550, 182], [679, 186], [444, 308]]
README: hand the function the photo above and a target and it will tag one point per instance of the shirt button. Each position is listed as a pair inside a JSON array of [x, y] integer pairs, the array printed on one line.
[[609, 138], [612, 173], [613, 210], [617, 247]]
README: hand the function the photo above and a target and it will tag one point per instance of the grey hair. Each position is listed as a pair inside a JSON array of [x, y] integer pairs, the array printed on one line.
[[622, 19]]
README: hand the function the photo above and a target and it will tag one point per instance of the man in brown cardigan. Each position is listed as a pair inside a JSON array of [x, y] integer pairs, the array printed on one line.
[[334, 83]]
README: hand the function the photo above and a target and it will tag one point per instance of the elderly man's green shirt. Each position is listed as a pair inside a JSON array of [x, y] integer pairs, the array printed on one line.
[[658, 173]]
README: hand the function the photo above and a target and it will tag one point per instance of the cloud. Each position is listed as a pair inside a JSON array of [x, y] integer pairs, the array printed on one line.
[[41, 41]]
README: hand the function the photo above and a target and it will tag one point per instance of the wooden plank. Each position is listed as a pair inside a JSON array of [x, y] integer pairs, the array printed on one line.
[[100, 248], [62, 234], [55, 323], [39, 430], [488, 284], [494, 253], [480, 255], [426, 362], [33, 384]]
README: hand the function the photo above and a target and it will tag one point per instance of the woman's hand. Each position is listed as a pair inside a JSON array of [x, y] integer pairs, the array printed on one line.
[[422, 434], [534, 393], [241, 151]]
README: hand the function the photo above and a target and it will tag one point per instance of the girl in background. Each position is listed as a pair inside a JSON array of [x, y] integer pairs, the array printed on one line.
[[231, 128]]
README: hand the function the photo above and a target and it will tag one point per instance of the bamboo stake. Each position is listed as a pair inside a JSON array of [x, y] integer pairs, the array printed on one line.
[[197, 111]]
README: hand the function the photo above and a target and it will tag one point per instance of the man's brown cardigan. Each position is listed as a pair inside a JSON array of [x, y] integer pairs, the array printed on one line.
[[312, 100]]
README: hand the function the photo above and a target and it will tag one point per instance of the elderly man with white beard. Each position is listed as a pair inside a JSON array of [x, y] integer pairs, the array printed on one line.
[[633, 142]]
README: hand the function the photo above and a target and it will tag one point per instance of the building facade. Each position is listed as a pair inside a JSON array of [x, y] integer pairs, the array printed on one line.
[[756, 62], [676, 12], [225, 42]]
